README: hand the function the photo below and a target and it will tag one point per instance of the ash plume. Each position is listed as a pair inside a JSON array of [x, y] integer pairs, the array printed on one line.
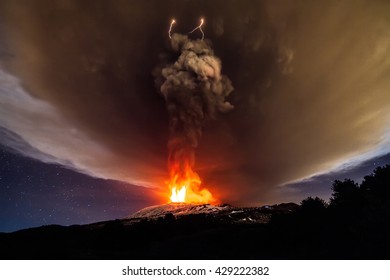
[[310, 90], [194, 90]]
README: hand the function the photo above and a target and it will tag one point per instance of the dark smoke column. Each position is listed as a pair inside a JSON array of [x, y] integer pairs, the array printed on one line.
[[194, 90]]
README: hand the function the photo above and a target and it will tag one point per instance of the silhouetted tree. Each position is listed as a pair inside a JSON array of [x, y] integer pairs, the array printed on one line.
[[378, 184], [312, 210], [346, 194], [314, 204]]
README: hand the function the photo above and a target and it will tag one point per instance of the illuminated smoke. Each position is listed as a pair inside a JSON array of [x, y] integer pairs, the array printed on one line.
[[195, 91]]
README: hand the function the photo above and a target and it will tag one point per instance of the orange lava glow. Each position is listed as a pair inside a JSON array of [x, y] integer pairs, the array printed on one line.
[[185, 184]]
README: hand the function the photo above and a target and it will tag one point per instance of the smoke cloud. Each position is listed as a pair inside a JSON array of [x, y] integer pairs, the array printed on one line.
[[194, 90], [310, 89]]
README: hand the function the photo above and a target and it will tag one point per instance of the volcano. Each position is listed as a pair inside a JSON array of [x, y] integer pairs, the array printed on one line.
[[179, 209], [169, 231], [198, 231], [223, 212]]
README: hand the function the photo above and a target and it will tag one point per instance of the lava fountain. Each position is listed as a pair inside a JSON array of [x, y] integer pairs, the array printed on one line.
[[184, 185]]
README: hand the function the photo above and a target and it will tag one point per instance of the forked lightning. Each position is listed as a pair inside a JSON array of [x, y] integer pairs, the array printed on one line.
[[199, 27]]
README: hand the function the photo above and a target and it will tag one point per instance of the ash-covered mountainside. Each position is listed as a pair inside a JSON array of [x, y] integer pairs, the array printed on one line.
[[224, 212], [170, 231], [178, 209]]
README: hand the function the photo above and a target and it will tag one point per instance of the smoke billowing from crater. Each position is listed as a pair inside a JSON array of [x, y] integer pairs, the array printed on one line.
[[194, 90]]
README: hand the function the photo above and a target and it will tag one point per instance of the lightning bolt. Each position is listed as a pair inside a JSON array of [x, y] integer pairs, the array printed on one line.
[[199, 27], [170, 28]]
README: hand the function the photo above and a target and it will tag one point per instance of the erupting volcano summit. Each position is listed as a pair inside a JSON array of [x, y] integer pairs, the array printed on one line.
[[194, 91]]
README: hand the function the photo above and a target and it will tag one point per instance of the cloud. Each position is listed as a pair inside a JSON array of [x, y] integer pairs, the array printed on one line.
[[36, 129], [311, 88]]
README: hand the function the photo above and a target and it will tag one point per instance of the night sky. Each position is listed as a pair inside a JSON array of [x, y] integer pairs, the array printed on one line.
[[33, 193], [84, 129]]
